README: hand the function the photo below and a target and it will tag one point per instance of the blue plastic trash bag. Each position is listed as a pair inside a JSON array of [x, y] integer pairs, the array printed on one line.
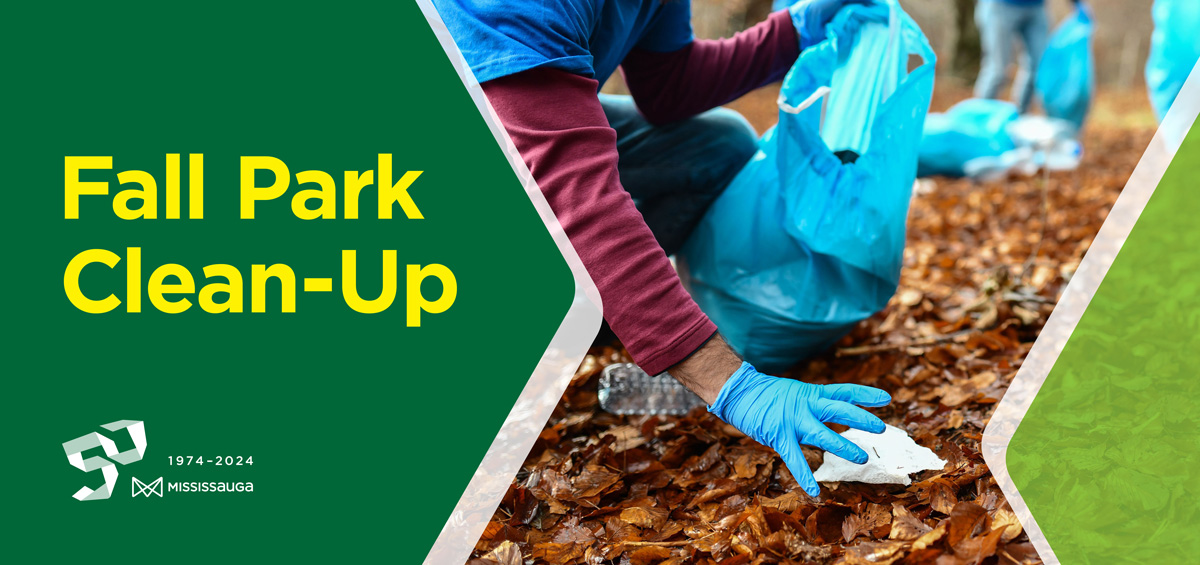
[[1174, 50], [801, 246], [972, 129], [1065, 75]]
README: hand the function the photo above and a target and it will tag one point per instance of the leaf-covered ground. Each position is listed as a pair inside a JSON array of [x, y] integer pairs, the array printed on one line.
[[985, 263]]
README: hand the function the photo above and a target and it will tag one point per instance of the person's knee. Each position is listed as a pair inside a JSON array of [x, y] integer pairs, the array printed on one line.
[[621, 112], [731, 140]]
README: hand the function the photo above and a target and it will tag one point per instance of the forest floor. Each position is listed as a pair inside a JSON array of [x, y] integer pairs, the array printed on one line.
[[984, 266]]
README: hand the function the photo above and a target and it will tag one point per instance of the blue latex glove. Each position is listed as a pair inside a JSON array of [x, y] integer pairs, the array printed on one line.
[[783, 413], [811, 16]]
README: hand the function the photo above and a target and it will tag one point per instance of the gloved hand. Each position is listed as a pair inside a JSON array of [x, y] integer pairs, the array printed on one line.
[[782, 414], [811, 16]]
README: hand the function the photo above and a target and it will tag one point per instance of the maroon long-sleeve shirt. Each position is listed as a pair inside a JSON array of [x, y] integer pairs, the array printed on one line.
[[555, 120]]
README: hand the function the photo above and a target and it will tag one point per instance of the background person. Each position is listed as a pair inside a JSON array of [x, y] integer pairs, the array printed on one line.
[[1001, 23]]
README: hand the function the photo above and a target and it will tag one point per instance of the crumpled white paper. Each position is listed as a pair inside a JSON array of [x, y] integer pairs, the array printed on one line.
[[892, 457]]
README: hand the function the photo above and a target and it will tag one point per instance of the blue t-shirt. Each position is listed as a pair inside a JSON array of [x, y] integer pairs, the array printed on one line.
[[585, 37]]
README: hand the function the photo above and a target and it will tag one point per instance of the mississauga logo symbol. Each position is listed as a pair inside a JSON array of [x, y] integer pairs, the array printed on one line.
[[155, 487], [107, 466]]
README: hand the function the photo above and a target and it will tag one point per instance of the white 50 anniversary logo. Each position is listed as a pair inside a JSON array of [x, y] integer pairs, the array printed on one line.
[[76, 447]]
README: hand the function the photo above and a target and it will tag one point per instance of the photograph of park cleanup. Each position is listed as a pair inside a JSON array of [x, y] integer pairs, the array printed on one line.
[[875, 204]]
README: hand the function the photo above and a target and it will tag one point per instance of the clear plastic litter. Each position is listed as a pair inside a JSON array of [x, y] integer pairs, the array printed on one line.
[[626, 389], [1041, 144], [987, 139]]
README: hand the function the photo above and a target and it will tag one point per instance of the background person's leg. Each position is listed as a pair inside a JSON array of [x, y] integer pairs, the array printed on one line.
[[997, 32], [1035, 34], [675, 171]]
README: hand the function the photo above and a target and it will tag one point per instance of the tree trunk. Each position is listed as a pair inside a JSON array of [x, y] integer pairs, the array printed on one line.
[[964, 63]]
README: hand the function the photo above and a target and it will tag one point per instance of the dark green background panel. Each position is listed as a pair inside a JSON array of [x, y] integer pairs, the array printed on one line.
[[364, 432]]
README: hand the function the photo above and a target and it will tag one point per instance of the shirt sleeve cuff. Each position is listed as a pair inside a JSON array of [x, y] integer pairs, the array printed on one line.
[[679, 349]]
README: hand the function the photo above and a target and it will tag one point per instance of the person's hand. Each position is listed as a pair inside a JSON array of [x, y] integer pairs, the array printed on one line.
[[782, 414], [811, 16]]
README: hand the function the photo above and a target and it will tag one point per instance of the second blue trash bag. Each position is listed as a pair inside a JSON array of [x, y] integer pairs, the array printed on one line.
[[971, 129], [801, 246], [1065, 75]]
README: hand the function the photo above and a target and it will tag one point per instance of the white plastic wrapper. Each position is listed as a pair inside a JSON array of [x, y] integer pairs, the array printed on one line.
[[893, 456]]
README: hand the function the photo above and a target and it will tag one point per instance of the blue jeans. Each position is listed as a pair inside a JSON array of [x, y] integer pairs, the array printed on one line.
[[675, 171], [1000, 24]]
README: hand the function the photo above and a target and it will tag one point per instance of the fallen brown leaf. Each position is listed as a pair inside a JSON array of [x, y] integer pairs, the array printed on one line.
[[905, 526]]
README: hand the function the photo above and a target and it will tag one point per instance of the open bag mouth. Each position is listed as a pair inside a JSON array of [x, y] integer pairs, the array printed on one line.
[[867, 60]]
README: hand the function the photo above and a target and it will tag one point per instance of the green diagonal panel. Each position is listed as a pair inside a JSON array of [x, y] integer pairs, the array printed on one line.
[[1108, 456]]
